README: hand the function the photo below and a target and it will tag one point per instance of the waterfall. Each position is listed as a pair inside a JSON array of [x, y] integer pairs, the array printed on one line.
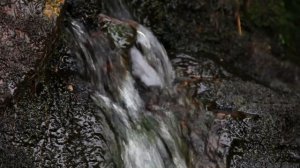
[[132, 85]]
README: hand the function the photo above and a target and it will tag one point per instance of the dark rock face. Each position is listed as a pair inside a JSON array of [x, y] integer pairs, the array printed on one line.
[[50, 121], [53, 121], [48, 110], [253, 126], [23, 32]]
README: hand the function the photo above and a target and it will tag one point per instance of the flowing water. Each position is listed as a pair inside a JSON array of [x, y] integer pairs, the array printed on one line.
[[135, 116], [129, 83]]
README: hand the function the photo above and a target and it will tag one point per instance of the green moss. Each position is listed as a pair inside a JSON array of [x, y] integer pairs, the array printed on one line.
[[121, 33]]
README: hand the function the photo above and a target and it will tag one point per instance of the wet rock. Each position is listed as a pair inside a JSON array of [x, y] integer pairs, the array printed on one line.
[[47, 122], [53, 124], [244, 116], [246, 75], [208, 29], [247, 120], [23, 33]]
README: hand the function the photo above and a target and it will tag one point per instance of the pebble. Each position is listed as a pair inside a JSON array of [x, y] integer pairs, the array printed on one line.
[[70, 88]]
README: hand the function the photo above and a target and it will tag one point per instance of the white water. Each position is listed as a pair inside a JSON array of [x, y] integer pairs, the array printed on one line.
[[118, 94]]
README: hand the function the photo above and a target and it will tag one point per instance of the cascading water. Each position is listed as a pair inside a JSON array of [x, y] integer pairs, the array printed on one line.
[[130, 78]]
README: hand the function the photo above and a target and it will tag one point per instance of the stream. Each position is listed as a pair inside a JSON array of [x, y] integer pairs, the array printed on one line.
[[108, 93], [146, 136]]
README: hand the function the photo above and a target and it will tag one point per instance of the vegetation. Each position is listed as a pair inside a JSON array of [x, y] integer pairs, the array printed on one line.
[[280, 18]]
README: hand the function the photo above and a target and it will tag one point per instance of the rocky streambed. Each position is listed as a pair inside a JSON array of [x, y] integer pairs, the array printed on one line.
[[245, 100]]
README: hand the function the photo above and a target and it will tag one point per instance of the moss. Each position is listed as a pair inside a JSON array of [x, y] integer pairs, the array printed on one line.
[[52, 8], [121, 33]]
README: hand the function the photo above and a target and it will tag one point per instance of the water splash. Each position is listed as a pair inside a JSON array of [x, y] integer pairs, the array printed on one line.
[[151, 64], [126, 81], [117, 9]]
